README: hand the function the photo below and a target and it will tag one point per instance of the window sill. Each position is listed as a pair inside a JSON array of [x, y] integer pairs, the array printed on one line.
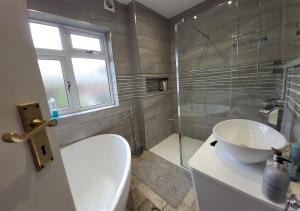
[[85, 112]]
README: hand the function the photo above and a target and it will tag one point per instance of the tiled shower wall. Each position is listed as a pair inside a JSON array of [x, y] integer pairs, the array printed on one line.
[[221, 88], [153, 43], [291, 124], [219, 77]]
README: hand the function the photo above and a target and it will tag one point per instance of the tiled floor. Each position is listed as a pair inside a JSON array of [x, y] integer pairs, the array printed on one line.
[[142, 198]]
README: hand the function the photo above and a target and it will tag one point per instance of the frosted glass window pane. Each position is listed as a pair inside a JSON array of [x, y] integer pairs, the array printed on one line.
[[45, 36], [54, 83], [86, 43], [92, 81]]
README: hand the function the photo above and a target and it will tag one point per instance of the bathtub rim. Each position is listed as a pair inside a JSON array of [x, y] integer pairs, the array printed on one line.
[[127, 169]]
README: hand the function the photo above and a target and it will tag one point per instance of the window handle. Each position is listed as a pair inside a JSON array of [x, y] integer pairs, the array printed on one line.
[[90, 52], [68, 86]]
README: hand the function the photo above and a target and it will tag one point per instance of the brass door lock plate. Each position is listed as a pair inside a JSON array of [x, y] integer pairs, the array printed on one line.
[[31, 118]]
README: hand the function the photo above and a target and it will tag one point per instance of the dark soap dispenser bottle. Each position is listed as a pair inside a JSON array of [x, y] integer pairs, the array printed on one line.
[[276, 179]]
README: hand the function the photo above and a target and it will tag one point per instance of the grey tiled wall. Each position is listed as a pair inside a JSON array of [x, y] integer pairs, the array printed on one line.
[[291, 124], [158, 113], [153, 41]]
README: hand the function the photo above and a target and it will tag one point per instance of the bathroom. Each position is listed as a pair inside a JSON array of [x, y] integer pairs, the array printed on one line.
[[138, 97]]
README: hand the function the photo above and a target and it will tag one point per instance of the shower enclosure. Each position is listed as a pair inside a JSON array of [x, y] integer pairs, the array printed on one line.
[[229, 63]]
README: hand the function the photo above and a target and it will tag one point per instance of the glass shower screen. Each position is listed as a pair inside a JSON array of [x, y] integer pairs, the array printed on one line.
[[225, 58]]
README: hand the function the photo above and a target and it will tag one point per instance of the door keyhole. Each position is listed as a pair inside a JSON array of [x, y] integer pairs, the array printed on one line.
[[43, 148], [68, 86]]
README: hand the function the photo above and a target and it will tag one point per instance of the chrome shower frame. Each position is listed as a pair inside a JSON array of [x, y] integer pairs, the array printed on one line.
[[178, 87]]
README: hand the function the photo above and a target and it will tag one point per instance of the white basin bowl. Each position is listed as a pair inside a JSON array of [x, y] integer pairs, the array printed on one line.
[[247, 141]]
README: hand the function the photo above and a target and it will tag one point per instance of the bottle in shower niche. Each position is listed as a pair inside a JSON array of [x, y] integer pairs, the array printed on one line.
[[53, 108], [163, 85], [276, 179]]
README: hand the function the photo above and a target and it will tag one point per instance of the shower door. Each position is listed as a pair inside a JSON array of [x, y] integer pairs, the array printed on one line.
[[225, 60]]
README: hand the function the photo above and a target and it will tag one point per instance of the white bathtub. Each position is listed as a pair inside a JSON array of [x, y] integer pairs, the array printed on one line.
[[98, 170]]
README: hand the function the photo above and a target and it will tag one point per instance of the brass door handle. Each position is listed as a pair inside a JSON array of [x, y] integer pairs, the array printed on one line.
[[37, 125]]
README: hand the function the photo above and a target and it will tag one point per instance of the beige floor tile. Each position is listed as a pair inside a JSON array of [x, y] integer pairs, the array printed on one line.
[[134, 181], [182, 207], [135, 199], [152, 196], [194, 206], [147, 206], [189, 199]]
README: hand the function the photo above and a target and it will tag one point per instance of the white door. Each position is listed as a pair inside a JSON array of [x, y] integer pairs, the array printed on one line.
[[22, 188]]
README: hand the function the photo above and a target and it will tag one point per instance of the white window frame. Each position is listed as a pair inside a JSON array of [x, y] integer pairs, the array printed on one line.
[[69, 52]]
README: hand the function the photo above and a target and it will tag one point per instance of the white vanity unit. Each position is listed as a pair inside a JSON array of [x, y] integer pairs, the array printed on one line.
[[223, 184]]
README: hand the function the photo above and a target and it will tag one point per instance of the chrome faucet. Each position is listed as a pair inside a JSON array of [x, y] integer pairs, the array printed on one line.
[[270, 106], [292, 202]]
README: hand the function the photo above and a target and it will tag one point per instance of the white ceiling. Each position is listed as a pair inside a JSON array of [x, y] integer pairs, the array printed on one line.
[[167, 8]]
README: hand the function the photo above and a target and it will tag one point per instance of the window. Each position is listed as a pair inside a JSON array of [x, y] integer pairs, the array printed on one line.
[[74, 65], [45, 36]]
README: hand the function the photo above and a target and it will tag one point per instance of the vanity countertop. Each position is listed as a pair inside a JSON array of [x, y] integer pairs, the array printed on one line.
[[246, 179]]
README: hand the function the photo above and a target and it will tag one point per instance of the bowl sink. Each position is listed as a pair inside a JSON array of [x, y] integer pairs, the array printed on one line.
[[247, 141]]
